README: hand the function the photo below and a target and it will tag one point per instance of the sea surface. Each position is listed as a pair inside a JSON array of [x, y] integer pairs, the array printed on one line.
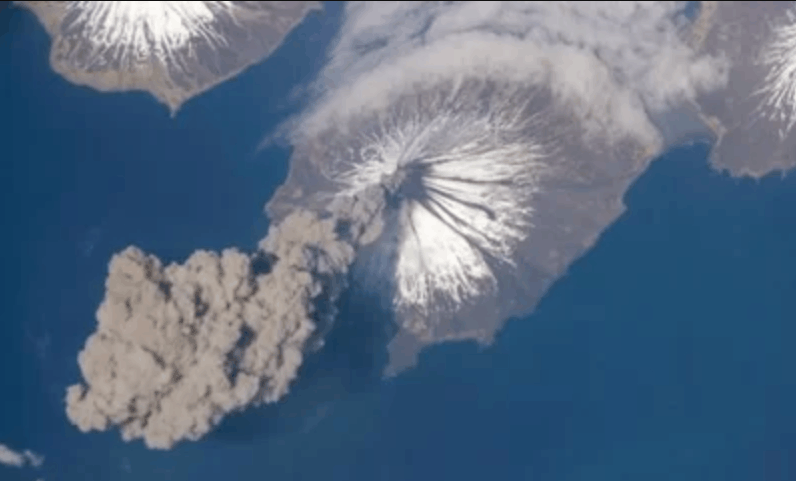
[[666, 352]]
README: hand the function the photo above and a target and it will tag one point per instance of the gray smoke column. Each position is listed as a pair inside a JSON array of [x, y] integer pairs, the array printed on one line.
[[179, 347]]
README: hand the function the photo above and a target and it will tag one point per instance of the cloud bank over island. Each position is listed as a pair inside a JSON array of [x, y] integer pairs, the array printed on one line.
[[611, 62], [454, 159]]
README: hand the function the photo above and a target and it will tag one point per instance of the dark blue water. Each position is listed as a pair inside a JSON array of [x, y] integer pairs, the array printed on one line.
[[664, 354]]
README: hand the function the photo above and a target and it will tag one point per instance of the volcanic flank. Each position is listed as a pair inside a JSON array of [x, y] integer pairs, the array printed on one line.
[[173, 50], [487, 195]]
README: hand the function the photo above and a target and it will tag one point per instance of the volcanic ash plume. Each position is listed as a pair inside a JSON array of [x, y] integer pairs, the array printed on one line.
[[172, 49], [177, 348]]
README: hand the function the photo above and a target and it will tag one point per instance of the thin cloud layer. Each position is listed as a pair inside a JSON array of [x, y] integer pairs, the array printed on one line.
[[19, 459]]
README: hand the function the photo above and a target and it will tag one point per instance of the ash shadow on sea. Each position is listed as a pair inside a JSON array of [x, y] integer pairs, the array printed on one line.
[[350, 362], [664, 353]]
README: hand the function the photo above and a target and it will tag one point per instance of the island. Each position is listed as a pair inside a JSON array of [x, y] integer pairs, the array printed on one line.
[[173, 50]]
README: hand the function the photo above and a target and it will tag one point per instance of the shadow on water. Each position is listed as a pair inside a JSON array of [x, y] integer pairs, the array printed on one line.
[[663, 354], [351, 361]]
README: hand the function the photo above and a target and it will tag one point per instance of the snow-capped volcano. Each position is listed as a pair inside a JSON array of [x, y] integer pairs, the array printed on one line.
[[458, 170], [174, 50]]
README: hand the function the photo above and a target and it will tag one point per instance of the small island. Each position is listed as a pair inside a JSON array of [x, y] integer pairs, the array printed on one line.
[[173, 50]]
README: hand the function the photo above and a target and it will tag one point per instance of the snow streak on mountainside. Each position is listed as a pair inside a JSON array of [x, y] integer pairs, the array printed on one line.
[[174, 50]]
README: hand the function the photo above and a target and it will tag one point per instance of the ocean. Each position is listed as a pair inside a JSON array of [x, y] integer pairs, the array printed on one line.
[[664, 353]]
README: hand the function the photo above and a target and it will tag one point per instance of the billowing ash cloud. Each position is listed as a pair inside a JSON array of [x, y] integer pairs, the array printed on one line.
[[503, 135], [755, 114], [177, 348], [172, 49], [19, 459]]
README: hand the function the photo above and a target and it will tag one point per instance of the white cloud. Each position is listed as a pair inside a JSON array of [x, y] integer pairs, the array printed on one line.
[[610, 62], [19, 459]]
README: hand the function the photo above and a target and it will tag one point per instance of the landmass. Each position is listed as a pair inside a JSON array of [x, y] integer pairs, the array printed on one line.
[[173, 50]]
